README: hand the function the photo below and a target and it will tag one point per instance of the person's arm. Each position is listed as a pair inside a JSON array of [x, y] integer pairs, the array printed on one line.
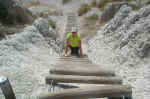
[[80, 46], [67, 44], [66, 49]]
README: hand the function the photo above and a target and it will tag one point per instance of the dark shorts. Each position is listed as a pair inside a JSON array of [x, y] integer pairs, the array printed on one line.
[[74, 50]]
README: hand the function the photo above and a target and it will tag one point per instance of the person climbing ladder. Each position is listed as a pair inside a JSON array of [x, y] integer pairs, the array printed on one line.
[[73, 41]]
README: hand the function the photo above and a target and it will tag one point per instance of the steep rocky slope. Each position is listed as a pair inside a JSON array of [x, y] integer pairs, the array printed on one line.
[[25, 58], [123, 44]]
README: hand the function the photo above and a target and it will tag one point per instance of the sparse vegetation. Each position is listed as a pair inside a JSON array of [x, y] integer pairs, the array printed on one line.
[[52, 23], [5, 15], [102, 3], [94, 3], [148, 3], [35, 3], [65, 1], [44, 15], [92, 17], [84, 8], [136, 8], [47, 13]]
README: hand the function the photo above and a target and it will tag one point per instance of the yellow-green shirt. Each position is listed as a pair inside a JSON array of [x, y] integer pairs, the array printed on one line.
[[73, 41]]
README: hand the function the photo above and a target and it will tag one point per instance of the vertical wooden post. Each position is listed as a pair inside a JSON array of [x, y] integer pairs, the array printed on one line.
[[7, 88]]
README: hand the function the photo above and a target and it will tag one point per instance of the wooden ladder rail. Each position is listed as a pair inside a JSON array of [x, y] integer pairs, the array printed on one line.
[[106, 84]]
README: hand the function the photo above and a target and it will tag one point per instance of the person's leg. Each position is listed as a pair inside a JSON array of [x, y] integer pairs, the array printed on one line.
[[72, 50], [76, 51]]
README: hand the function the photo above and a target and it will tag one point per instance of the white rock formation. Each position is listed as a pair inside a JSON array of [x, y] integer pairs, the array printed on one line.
[[123, 44], [26, 58]]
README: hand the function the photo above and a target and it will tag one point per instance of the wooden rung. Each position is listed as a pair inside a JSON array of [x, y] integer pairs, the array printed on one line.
[[72, 59], [67, 63], [73, 62], [70, 64], [82, 72], [66, 60], [90, 92], [82, 79]]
